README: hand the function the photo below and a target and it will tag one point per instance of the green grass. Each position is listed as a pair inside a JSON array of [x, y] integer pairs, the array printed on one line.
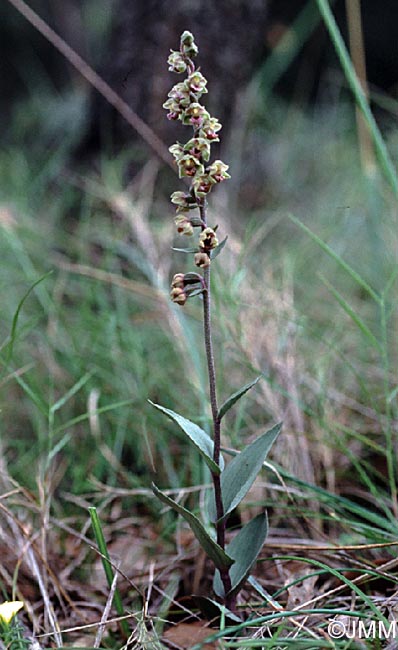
[[304, 294]]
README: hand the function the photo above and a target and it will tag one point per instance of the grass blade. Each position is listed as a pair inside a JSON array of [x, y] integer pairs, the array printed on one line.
[[106, 563], [355, 85]]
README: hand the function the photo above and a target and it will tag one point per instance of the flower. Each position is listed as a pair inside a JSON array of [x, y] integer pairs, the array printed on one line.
[[218, 171], [174, 109], [189, 165], [176, 62], [210, 128], [180, 93], [183, 200], [196, 83], [8, 609], [198, 147], [195, 114], [177, 150], [202, 260], [202, 184], [208, 239], [184, 225]]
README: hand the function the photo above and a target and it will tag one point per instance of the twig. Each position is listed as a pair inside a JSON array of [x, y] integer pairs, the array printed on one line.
[[94, 80], [105, 615]]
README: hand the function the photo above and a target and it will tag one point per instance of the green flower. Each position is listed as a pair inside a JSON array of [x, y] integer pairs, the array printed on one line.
[[180, 93], [210, 128], [198, 147], [218, 171], [196, 83], [176, 62], [189, 165], [183, 200], [177, 150], [202, 184], [174, 109], [195, 114]]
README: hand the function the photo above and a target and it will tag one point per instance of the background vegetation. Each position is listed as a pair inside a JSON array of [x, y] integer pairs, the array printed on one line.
[[87, 334]]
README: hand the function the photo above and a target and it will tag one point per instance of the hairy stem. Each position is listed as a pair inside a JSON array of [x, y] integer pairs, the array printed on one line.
[[221, 523]]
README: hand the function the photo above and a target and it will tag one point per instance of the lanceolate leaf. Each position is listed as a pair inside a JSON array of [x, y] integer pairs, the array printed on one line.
[[196, 435], [234, 398], [185, 250], [218, 249], [240, 473], [213, 550], [244, 549]]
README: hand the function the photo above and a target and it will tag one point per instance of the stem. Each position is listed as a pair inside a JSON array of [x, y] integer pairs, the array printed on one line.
[[221, 522]]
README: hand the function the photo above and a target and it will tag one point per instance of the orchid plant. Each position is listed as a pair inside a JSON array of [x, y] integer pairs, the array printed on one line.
[[232, 481]]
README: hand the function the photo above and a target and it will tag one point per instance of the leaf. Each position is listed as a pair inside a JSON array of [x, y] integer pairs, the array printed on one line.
[[244, 549], [216, 251], [185, 250], [14, 324], [195, 292], [240, 473], [209, 545], [234, 398], [196, 435], [192, 278]]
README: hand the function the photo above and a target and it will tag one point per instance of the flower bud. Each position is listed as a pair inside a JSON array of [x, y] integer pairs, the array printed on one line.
[[208, 239], [184, 225], [177, 150], [178, 281], [202, 260], [187, 38], [188, 46], [178, 295], [176, 62]]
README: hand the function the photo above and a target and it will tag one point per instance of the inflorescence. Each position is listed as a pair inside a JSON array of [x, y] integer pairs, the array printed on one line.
[[191, 159]]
